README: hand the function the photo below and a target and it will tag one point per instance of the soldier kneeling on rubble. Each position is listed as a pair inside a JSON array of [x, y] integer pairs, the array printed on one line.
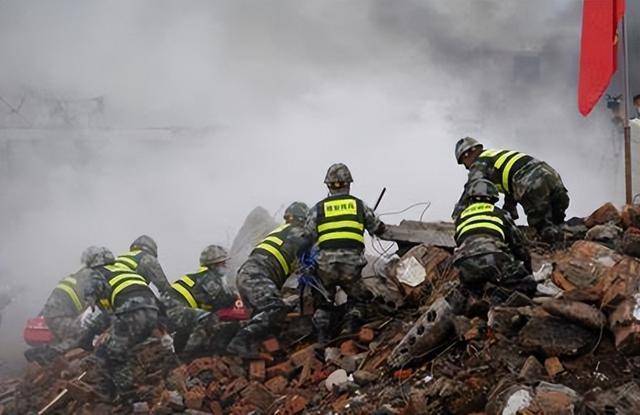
[[262, 276], [133, 314], [66, 304], [192, 301], [523, 179], [490, 247]]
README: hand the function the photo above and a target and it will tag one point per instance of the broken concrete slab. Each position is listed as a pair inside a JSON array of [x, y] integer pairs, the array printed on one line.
[[555, 337], [433, 328], [414, 232], [584, 314]]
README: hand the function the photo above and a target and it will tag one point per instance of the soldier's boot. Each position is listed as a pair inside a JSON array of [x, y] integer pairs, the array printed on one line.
[[246, 343], [321, 321]]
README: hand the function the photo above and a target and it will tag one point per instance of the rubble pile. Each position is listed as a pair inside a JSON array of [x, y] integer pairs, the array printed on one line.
[[572, 349]]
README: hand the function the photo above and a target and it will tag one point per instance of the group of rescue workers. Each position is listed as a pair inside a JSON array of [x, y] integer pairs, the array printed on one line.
[[491, 251]]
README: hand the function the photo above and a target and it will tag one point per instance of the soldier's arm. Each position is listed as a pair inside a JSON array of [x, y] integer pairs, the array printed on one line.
[[372, 222], [150, 268], [479, 170], [311, 224], [219, 292], [517, 242]]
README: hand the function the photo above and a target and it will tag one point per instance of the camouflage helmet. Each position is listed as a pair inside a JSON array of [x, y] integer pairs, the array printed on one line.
[[213, 254], [145, 243], [88, 254], [297, 211], [483, 188], [102, 256], [338, 173], [465, 144]]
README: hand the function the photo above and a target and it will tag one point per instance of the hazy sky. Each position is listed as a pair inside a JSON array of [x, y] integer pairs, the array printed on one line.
[[267, 94]]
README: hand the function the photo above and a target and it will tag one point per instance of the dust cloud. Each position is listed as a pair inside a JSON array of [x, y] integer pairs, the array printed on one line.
[[176, 118]]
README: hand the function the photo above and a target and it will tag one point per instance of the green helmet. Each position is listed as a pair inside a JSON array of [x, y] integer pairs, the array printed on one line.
[[338, 173], [297, 211], [102, 256], [88, 255], [213, 254], [465, 144], [483, 188], [145, 243]]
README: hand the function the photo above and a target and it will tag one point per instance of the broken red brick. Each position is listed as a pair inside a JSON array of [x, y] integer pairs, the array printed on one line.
[[349, 348], [553, 366], [213, 390], [194, 397], [285, 369], [215, 408], [294, 405], [200, 365], [366, 335], [257, 395], [233, 388], [299, 358], [311, 366], [339, 404], [80, 391], [271, 345], [257, 370], [604, 214], [402, 374], [277, 384]]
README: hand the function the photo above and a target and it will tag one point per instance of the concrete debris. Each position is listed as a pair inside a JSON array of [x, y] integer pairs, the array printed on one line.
[[577, 312], [410, 232], [436, 348]]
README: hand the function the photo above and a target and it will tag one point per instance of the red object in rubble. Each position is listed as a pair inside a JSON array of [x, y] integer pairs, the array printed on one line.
[[237, 312], [36, 332]]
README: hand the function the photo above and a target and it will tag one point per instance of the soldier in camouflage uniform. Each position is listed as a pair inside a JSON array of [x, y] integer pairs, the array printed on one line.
[[142, 259], [65, 305], [192, 301], [523, 179], [133, 311], [262, 275], [490, 247], [338, 223]]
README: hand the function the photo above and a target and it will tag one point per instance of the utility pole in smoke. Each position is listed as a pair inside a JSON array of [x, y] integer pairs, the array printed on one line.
[[627, 129]]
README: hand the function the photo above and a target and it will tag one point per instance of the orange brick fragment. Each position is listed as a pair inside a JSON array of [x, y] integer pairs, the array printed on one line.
[[402, 374], [349, 348], [366, 335], [285, 369], [257, 370], [277, 384], [271, 345], [553, 366]]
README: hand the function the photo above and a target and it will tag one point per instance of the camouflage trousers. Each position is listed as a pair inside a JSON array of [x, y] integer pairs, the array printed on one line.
[[542, 195], [261, 294], [347, 275], [498, 269], [66, 330], [198, 330], [129, 328]]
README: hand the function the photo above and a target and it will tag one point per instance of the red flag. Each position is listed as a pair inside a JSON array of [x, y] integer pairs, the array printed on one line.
[[597, 50]]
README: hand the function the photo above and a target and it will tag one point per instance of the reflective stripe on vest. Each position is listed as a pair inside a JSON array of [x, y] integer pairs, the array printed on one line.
[[184, 285], [340, 223], [68, 285], [129, 259], [272, 244], [121, 279], [507, 163], [479, 219]]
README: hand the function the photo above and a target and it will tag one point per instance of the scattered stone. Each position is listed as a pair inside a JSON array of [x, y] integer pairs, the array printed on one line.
[[577, 312], [337, 378], [362, 377], [555, 337], [553, 366], [605, 214], [532, 370]]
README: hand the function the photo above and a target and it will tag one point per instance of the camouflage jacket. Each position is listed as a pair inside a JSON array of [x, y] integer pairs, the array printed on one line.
[[210, 290], [149, 267], [296, 243], [59, 304], [483, 168], [98, 288], [371, 223], [514, 244]]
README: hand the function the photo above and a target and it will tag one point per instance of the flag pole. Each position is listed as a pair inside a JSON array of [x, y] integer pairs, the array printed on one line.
[[627, 128]]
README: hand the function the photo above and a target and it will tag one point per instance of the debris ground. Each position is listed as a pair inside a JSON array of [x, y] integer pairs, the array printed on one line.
[[572, 349]]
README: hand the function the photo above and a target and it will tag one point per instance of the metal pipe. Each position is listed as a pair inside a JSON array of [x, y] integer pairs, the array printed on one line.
[[627, 128]]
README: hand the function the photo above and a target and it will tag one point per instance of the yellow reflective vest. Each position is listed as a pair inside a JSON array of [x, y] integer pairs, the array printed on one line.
[[340, 223], [69, 286], [184, 288], [122, 281], [273, 245], [506, 164], [480, 219]]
